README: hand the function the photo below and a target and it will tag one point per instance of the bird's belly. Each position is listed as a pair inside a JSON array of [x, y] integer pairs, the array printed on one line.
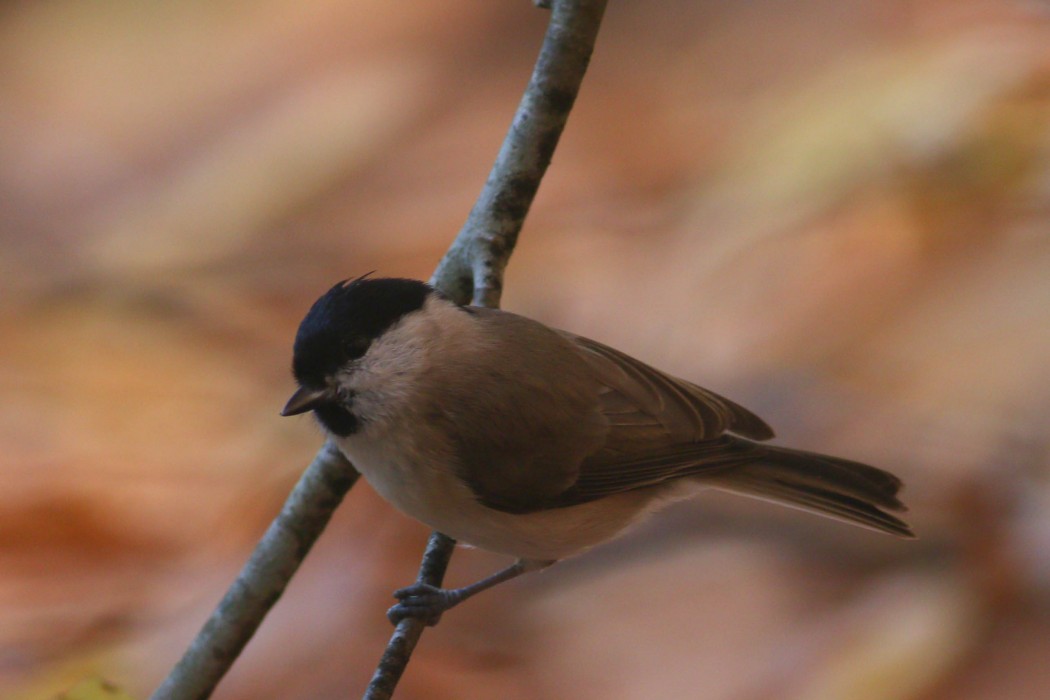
[[434, 495]]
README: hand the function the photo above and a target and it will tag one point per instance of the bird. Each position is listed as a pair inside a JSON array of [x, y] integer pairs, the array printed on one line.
[[509, 435]]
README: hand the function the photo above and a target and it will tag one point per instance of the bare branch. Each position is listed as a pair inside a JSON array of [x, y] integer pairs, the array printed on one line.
[[263, 578], [473, 267], [408, 631], [472, 270]]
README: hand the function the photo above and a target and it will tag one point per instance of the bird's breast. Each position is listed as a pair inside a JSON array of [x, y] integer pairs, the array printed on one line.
[[425, 487]]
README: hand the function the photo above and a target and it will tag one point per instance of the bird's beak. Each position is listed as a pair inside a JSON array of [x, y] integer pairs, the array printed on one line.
[[305, 399]]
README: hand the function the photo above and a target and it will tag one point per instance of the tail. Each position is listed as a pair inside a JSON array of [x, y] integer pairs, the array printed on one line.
[[829, 486]]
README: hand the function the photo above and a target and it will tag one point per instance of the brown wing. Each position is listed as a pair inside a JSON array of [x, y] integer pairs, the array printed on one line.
[[610, 423], [635, 395], [660, 428], [521, 410], [601, 476], [613, 424]]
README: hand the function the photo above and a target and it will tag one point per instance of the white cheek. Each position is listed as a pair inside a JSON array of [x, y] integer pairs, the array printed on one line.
[[379, 393]]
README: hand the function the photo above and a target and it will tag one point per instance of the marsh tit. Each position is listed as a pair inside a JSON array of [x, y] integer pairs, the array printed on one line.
[[521, 439]]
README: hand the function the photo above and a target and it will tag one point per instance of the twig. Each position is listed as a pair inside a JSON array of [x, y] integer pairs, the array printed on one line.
[[406, 634], [472, 270], [263, 578], [473, 267]]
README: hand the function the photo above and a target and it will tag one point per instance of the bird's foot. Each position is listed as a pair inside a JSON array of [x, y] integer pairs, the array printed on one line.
[[424, 602], [427, 603]]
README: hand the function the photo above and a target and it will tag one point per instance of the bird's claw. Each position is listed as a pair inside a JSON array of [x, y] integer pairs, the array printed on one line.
[[421, 601]]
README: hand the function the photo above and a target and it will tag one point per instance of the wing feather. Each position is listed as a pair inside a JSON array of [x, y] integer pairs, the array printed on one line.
[[637, 394], [642, 426], [616, 424]]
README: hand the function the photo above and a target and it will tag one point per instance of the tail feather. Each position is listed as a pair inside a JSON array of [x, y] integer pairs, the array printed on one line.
[[831, 486]]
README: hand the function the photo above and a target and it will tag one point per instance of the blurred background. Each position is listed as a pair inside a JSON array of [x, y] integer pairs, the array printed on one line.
[[834, 211]]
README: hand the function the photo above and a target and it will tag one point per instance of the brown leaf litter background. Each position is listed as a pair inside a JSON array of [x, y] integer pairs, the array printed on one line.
[[835, 211]]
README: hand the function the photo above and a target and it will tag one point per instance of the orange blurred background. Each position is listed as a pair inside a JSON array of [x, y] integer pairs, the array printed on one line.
[[834, 211]]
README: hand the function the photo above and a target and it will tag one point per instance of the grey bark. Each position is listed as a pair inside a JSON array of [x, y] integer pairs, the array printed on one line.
[[263, 578], [407, 633], [473, 267], [471, 271]]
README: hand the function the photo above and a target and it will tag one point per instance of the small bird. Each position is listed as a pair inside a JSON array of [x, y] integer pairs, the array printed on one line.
[[514, 437]]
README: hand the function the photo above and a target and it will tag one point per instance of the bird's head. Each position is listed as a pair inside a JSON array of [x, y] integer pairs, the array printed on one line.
[[336, 336]]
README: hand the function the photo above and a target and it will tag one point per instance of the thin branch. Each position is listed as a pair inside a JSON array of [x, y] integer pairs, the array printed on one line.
[[473, 267], [408, 631], [472, 270], [263, 578]]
